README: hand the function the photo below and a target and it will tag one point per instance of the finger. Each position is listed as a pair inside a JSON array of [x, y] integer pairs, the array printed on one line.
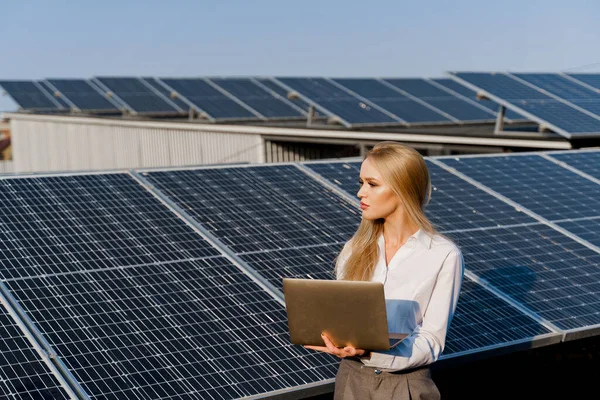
[[332, 349], [318, 348]]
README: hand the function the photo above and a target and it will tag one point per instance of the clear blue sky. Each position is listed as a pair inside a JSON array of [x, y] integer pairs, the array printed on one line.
[[41, 39]]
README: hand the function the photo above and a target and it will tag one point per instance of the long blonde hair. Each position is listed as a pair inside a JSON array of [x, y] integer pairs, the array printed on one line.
[[404, 170]]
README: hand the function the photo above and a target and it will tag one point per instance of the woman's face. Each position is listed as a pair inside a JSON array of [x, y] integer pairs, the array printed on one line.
[[377, 200]]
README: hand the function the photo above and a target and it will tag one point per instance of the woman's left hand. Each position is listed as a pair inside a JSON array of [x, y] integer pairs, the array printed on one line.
[[341, 352]]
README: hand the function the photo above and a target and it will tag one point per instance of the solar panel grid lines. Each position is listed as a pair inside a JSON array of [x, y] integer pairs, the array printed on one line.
[[209, 237], [533, 183], [307, 100], [270, 84], [265, 209], [485, 320], [366, 100], [470, 95], [389, 83], [138, 96], [234, 98], [26, 370], [593, 109], [173, 329], [462, 97], [531, 102], [591, 81], [82, 95], [595, 169], [171, 95], [161, 94], [106, 91], [540, 268], [585, 161], [268, 104], [210, 100], [79, 222], [348, 109], [269, 87], [30, 95], [56, 95], [411, 111]]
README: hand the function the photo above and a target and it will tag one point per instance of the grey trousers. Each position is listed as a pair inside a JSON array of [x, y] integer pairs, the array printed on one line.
[[354, 381]]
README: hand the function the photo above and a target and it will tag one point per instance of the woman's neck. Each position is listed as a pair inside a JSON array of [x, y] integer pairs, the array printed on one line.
[[397, 229]]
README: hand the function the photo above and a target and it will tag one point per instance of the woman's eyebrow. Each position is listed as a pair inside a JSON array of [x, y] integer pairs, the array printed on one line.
[[368, 178]]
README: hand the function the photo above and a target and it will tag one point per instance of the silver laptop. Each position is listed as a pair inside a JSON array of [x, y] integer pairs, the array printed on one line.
[[350, 313]]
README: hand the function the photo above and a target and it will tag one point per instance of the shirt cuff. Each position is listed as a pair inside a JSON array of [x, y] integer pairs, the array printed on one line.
[[378, 360]]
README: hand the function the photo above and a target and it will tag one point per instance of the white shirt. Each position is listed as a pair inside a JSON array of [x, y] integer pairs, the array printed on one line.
[[421, 284]]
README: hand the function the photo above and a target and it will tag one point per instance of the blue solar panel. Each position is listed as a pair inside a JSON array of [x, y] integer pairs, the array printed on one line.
[[194, 330], [87, 222], [587, 229], [56, 95], [338, 102], [470, 94], [258, 98], [592, 80], [455, 204], [553, 192], [442, 100], [138, 96], [483, 320], [208, 99], [281, 91], [565, 88], [398, 104], [167, 93], [585, 161], [23, 375], [547, 272], [544, 109], [264, 209], [29, 95], [82, 94]]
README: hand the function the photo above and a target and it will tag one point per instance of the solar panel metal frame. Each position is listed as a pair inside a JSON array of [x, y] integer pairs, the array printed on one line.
[[118, 107], [570, 334], [184, 99], [511, 106], [275, 294], [45, 352], [277, 95], [434, 108], [257, 115], [43, 90], [554, 96], [471, 101], [264, 88], [333, 116], [110, 94]]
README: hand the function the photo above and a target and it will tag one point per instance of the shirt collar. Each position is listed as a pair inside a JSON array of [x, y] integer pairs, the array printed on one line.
[[423, 238], [420, 236]]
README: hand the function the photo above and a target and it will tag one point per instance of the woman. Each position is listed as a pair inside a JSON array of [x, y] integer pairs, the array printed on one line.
[[421, 270]]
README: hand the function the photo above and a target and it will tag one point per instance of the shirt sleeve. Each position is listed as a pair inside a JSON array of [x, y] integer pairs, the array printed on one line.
[[425, 344]]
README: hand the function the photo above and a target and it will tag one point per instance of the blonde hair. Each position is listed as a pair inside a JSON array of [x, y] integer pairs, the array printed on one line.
[[404, 170]]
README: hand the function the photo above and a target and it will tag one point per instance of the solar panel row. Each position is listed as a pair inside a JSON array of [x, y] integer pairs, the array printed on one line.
[[353, 102], [569, 104], [139, 304]]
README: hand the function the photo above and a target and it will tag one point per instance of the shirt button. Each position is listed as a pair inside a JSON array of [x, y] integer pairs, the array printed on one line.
[[377, 371]]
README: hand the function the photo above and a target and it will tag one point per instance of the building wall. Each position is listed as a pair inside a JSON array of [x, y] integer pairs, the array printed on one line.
[[6, 167], [67, 144]]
